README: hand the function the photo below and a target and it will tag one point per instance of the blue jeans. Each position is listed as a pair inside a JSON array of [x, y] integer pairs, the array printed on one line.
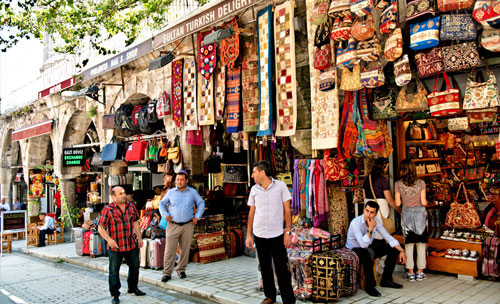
[[115, 261]]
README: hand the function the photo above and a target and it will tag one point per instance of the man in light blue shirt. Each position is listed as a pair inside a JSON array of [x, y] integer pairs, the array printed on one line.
[[360, 240], [47, 228], [177, 207]]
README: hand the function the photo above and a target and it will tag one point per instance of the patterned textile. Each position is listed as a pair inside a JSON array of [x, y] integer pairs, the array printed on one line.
[[206, 101], [324, 104], [207, 57], [460, 56], [233, 87], [220, 91], [351, 271], [457, 27], [265, 50], [121, 231], [419, 8], [490, 39], [328, 269], [382, 124], [481, 95], [374, 136], [338, 219], [250, 84], [211, 247], [286, 95], [429, 63], [230, 47], [190, 107], [177, 91], [425, 35]]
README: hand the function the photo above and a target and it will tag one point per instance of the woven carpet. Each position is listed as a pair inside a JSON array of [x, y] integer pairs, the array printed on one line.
[[233, 90], [250, 84], [265, 51], [220, 91], [177, 91], [190, 108]]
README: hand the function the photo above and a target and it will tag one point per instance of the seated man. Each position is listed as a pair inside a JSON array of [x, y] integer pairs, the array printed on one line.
[[47, 228], [360, 239]]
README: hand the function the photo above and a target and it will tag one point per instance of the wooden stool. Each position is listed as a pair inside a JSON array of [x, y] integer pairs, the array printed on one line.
[[7, 243], [362, 277], [58, 236], [32, 235]]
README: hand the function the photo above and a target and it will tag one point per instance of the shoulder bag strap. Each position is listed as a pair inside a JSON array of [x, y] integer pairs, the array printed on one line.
[[375, 197]]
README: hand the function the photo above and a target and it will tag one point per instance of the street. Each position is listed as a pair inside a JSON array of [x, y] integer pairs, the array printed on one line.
[[27, 279]]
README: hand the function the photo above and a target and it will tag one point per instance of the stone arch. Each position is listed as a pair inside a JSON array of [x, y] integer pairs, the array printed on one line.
[[10, 161], [39, 148]]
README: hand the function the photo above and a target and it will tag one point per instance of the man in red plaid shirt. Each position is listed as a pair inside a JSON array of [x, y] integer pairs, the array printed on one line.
[[119, 226]]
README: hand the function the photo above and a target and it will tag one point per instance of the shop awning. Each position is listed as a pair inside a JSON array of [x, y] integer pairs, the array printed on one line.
[[33, 130]]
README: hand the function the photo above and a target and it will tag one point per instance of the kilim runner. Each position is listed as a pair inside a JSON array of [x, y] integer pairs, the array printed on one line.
[[206, 56], [190, 95], [250, 84], [233, 87], [265, 51], [230, 47], [177, 91], [220, 90]]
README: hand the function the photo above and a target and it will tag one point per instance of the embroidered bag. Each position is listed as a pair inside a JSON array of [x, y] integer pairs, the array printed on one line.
[[384, 104], [462, 215], [412, 102], [394, 45], [418, 9], [402, 71], [481, 95], [425, 34], [346, 57], [372, 75], [327, 79], [490, 39], [320, 11], [457, 27], [363, 29], [163, 106], [351, 81], [487, 13], [389, 18], [454, 5], [322, 52], [339, 6], [444, 103], [361, 7], [341, 28], [429, 63], [369, 50], [350, 131], [335, 167], [460, 56], [458, 124]]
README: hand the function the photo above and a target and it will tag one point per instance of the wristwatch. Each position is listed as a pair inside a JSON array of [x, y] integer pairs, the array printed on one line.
[[370, 231], [288, 233]]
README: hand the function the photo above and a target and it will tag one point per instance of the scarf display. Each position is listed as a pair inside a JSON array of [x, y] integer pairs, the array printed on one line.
[[286, 84], [373, 134], [207, 57], [230, 47], [324, 104], [206, 114], [250, 84], [177, 91], [220, 91], [265, 51], [233, 87], [190, 107]]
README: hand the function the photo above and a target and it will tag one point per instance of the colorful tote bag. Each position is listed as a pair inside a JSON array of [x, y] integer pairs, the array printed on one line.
[[384, 104], [462, 215], [429, 63], [265, 51], [444, 103], [230, 47], [389, 18], [190, 95], [369, 50], [206, 115], [338, 6], [454, 5], [233, 91], [220, 91], [425, 35], [418, 9], [177, 91], [457, 27], [351, 81], [341, 26], [481, 95], [286, 90], [346, 56], [361, 7], [207, 57], [363, 29], [393, 48], [411, 102], [320, 11], [373, 134], [327, 79], [490, 40], [486, 12], [372, 75], [402, 71], [459, 57], [250, 84]]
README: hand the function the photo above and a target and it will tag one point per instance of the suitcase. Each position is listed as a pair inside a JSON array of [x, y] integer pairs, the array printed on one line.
[[351, 271], [233, 241], [79, 240], [491, 257], [156, 251], [143, 253], [95, 244], [86, 243], [327, 271]]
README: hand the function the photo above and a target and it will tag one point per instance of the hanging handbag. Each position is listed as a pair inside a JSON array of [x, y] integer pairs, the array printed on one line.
[[96, 160], [346, 57], [481, 95], [323, 50], [389, 18], [460, 56], [411, 102], [419, 9], [112, 151], [454, 5], [338, 6], [369, 50], [486, 13], [341, 26], [350, 131], [153, 149], [163, 106], [327, 79], [384, 104], [320, 11], [137, 150], [335, 167], [361, 7], [444, 103], [458, 124], [351, 81], [372, 75], [429, 63], [174, 152], [108, 120], [462, 215], [425, 34], [393, 48], [457, 27], [235, 173], [363, 29], [490, 40], [388, 223], [402, 71], [418, 131]]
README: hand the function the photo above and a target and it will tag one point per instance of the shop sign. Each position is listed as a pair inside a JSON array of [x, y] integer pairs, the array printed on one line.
[[119, 60], [13, 221], [216, 13], [73, 157], [33, 130], [58, 87]]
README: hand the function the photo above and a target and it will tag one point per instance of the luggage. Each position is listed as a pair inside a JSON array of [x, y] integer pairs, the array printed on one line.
[[233, 240], [491, 257], [86, 243], [143, 253], [79, 241], [95, 245], [327, 270], [156, 251], [351, 271]]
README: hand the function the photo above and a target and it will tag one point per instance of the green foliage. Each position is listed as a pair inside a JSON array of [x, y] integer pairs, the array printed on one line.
[[92, 111]]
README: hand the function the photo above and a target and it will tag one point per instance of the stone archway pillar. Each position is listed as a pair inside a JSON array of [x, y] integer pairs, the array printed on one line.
[[68, 189], [5, 185]]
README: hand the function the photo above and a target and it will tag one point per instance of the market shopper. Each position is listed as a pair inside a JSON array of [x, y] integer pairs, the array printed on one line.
[[4, 206], [47, 228], [119, 226], [177, 207], [410, 192], [269, 202], [360, 238], [17, 204]]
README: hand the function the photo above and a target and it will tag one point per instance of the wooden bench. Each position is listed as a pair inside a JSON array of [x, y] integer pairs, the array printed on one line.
[[7, 243]]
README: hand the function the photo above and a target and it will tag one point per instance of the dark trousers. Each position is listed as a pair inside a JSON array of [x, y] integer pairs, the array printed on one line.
[[115, 261], [273, 250], [377, 250], [41, 237]]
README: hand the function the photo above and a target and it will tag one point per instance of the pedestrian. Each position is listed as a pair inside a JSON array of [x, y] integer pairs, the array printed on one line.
[[360, 238], [410, 192], [269, 202], [119, 226], [4, 206], [17, 204], [47, 228], [177, 207]]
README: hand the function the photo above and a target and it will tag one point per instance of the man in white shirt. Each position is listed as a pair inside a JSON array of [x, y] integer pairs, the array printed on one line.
[[360, 240], [269, 199], [4, 206], [47, 228]]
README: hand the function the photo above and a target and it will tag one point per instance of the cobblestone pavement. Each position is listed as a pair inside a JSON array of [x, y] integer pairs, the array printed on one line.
[[33, 280]]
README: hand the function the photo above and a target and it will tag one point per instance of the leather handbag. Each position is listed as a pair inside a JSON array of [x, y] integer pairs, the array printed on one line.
[[425, 34], [444, 103], [369, 50], [457, 27], [458, 124], [459, 57], [454, 5], [490, 40], [112, 151], [462, 215], [384, 103], [411, 102], [361, 7], [341, 26], [486, 12], [417, 131], [389, 18], [481, 95], [363, 28], [108, 121], [137, 150], [419, 9], [388, 222], [393, 48], [327, 79], [346, 56], [429, 63], [372, 75], [320, 11], [335, 167], [96, 159], [323, 50], [351, 81], [402, 71]]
